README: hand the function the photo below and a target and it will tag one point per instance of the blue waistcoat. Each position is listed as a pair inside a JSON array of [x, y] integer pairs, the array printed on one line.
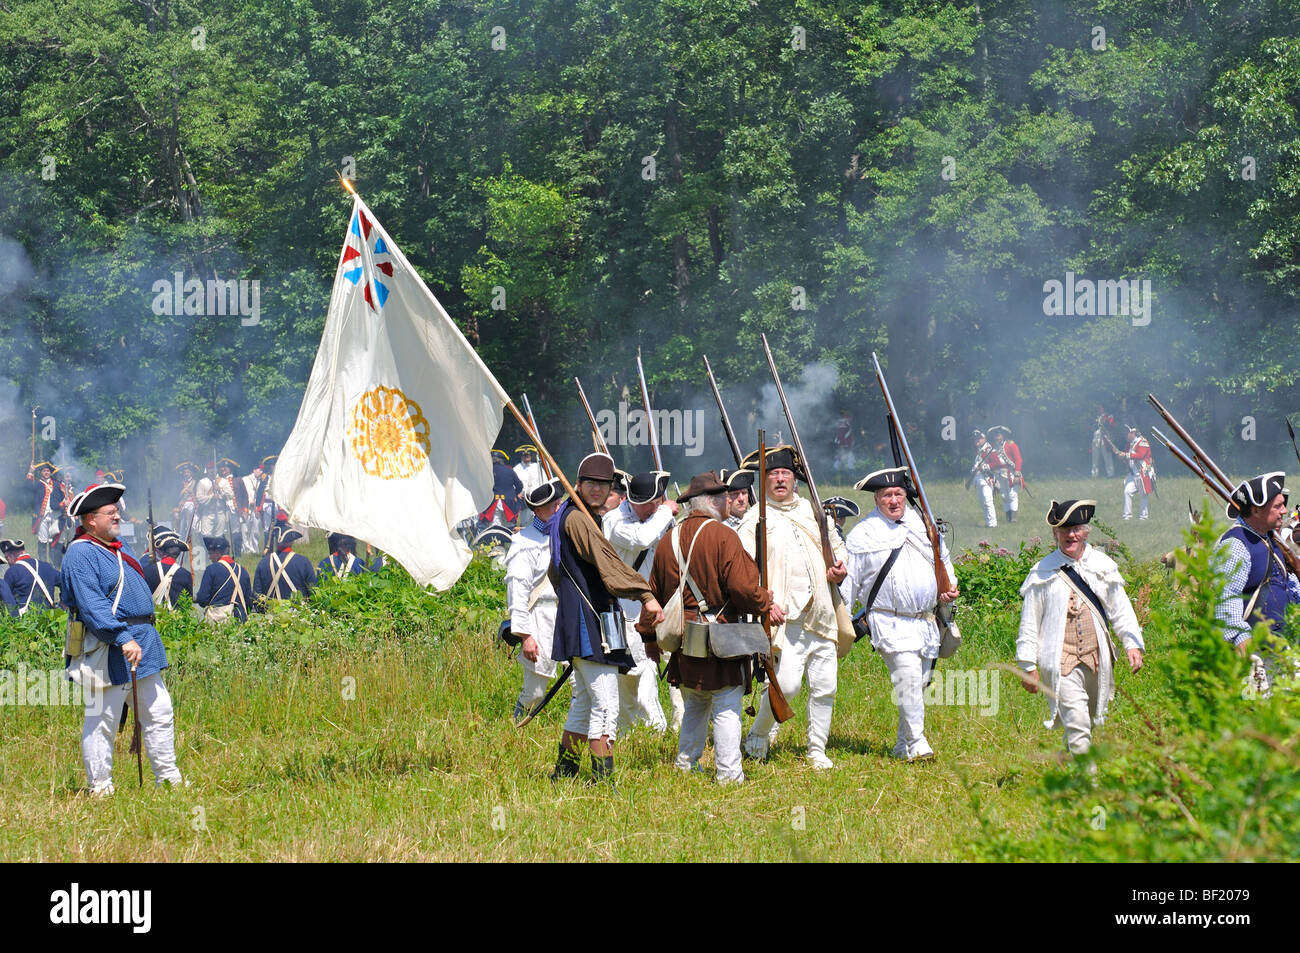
[[577, 630], [1272, 602]]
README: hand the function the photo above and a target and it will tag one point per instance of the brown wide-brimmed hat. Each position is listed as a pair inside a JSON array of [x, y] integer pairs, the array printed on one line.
[[597, 466], [703, 484]]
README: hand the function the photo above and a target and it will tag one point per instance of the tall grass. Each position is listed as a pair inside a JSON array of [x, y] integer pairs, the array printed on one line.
[[373, 722]]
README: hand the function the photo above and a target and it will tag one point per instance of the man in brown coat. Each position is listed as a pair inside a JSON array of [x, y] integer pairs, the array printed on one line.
[[728, 579]]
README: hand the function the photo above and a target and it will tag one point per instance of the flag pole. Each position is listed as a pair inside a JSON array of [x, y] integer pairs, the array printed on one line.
[[555, 467]]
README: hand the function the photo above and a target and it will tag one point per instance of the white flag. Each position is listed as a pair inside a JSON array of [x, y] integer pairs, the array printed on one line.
[[394, 437]]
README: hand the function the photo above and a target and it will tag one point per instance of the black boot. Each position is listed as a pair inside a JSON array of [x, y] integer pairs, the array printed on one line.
[[566, 766], [602, 771], [1012, 515]]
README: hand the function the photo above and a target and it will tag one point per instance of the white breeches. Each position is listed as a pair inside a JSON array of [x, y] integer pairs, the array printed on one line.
[[804, 654], [986, 498], [1133, 485], [1010, 498], [104, 711], [907, 672], [638, 690], [593, 712], [1076, 708], [722, 707]]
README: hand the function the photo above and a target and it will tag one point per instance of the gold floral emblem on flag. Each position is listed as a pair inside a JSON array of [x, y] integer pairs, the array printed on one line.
[[388, 434]]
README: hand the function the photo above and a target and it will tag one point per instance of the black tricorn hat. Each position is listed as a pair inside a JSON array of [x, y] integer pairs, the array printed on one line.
[[285, 536], [784, 457], [703, 484], [169, 541], [492, 536], [999, 429], [162, 530], [544, 493], [498, 452], [884, 479], [11, 545], [737, 480], [336, 541], [216, 544], [841, 508], [622, 479], [648, 487], [1070, 512], [1257, 491], [87, 501]]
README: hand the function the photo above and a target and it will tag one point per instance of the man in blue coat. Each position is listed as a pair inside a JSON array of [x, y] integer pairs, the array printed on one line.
[[282, 573], [224, 591], [104, 588], [343, 559], [30, 582]]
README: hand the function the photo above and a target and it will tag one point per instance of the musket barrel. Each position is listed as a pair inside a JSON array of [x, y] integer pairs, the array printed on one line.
[[1212, 467], [595, 431], [649, 414], [722, 412]]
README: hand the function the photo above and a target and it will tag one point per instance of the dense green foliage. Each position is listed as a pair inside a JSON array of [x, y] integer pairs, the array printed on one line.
[[918, 169], [1209, 774]]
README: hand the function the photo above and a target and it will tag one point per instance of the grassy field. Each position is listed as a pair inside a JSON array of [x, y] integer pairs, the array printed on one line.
[[375, 724]]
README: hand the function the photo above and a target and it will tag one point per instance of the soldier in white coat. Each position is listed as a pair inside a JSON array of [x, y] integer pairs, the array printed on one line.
[[1071, 597], [806, 642], [530, 597], [892, 540], [634, 528]]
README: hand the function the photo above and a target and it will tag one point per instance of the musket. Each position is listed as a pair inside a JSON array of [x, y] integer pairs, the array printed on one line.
[[152, 553], [1197, 452], [34, 409], [649, 414], [722, 412], [776, 699], [941, 580], [596, 438], [136, 748], [1218, 489], [1291, 431], [550, 693], [844, 623], [528, 409]]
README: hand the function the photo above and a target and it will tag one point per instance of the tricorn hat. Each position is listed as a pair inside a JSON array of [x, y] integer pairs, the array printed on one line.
[[227, 462], [498, 452], [736, 480], [597, 466], [648, 487], [87, 501], [783, 457], [493, 536], [999, 429], [169, 541], [336, 541], [162, 530], [703, 484], [544, 493], [1257, 491], [884, 479], [621, 481], [11, 545], [840, 508], [271, 459], [525, 448], [1070, 512], [216, 544], [186, 465]]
